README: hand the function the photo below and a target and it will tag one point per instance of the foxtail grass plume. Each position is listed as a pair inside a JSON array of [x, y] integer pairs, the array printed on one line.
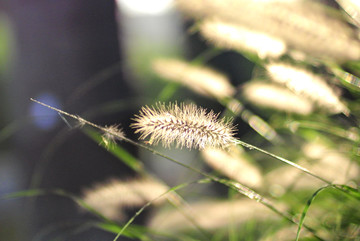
[[232, 36], [306, 83], [187, 125], [276, 97], [112, 198], [201, 79], [208, 82], [111, 134], [233, 164], [307, 26]]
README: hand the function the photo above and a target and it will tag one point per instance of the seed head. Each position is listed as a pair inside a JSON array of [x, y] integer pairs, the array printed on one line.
[[306, 26], [111, 134], [113, 197], [276, 97], [233, 164], [308, 84], [234, 36], [202, 80], [187, 125]]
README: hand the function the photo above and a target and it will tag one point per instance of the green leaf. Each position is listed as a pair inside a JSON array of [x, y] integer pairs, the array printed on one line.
[[133, 232], [173, 189], [25, 193], [351, 191], [167, 92], [108, 225], [118, 152], [349, 80], [306, 208]]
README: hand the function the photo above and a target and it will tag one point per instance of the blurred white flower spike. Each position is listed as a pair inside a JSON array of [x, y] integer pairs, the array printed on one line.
[[211, 215], [276, 97], [308, 84], [306, 26], [233, 164], [202, 80], [112, 198], [237, 37]]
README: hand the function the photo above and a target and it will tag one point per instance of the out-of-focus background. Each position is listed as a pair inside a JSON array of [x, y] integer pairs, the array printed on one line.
[[89, 58], [285, 71]]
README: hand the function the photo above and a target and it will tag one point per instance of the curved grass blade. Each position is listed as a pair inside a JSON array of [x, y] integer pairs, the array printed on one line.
[[152, 201], [350, 81], [65, 229], [254, 121], [355, 193], [117, 151], [233, 185], [167, 92], [25, 193], [59, 192], [327, 128], [306, 208], [134, 163], [135, 231]]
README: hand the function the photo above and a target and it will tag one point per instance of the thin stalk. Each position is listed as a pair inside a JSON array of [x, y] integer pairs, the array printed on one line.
[[254, 121], [236, 141], [231, 184], [170, 191], [339, 132], [251, 147], [246, 191]]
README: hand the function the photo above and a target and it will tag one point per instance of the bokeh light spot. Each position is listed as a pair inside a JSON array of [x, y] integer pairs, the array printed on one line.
[[42, 117]]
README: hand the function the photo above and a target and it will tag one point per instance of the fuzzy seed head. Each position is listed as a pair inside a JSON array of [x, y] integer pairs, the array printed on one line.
[[202, 80], [233, 164], [306, 26], [187, 125], [113, 197], [276, 97], [234, 36], [111, 134], [306, 83]]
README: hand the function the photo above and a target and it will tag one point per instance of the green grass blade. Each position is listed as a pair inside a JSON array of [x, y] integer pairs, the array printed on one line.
[[327, 128], [118, 152], [306, 208], [148, 204], [106, 225], [131, 232], [25, 193], [57, 192], [351, 191], [168, 91]]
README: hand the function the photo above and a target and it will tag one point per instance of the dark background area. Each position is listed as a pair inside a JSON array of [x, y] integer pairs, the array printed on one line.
[[70, 54], [60, 46]]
